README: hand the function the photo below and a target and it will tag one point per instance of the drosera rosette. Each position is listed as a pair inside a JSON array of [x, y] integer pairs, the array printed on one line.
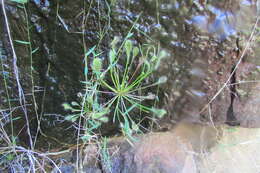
[[123, 86]]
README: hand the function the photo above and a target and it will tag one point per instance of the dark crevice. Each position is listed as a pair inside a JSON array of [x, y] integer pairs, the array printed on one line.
[[231, 118]]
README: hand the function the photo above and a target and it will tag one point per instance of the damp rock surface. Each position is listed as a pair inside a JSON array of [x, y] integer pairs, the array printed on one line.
[[204, 42]]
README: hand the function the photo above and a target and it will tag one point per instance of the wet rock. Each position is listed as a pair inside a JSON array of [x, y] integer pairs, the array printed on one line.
[[168, 152], [202, 44], [91, 163], [156, 154], [199, 38], [174, 151], [237, 151], [205, 95], [248, 112], [187, 148]]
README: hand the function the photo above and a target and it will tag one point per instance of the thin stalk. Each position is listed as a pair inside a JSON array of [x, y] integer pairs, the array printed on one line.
[[31, 73], [137, 81], [108, 86], [142, 107], [116, 110], [85, 17], [144, 87]]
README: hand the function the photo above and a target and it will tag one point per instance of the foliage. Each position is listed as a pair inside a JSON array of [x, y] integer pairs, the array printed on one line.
[[20, 1], [123, 82]]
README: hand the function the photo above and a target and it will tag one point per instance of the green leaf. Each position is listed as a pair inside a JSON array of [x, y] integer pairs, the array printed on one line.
[[35, 50], [90, 100], [16, 118], [129, 35], [135, 51], [67, 107], [91, 50], [158, 112], [86, 82], [112, 56], [20, 1], [128, 47], [127, 131], [97, 65], [22, 42], [130, 109], [98, 115], [74, 104], [126, 128], [10, 156], [94, 125], [72, 118], [103, 119], [154, 58], [14, 138]]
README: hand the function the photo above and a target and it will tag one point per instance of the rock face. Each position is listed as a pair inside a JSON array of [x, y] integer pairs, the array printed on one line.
[[204, 41], [188, 148], [246, 107], [237, 151], [210, 90], [169, 152]]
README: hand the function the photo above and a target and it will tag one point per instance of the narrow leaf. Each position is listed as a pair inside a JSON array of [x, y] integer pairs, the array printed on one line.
[[67, 107], [103, 119], [71, 118], [22, 42], [35, 50], [129, 35], [20, 1], [97, 115], [91, 50]]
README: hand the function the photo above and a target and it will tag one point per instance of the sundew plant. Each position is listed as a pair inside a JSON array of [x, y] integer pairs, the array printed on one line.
[[123, 81]]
